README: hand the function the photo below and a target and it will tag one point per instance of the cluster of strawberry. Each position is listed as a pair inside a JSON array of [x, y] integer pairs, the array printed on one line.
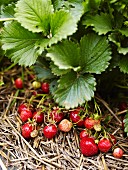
[[90, 141], [93, 137]]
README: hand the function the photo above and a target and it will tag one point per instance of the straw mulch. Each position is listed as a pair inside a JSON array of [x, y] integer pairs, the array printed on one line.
[[39, 153]]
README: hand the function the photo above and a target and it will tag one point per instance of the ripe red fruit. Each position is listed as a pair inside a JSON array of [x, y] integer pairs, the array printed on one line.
[[22, 107], [104, 145], [90, 122], [118, 153], [65, 125], [26, 130], [38, 116], [25, 115], [45, 87], [19, 83], [84, 134], [88, 147], [50, 131], [75, 117], [57, 115]]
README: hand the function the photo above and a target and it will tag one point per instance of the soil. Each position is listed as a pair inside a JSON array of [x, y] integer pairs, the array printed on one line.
[[39, 153]]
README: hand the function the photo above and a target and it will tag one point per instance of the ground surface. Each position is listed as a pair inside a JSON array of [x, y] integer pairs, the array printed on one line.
[[60, 153]]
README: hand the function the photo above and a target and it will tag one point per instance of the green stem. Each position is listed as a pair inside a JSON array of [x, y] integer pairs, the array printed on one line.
[[7, 19]]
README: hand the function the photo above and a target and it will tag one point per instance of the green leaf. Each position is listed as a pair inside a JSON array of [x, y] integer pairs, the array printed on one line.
[[126, 123], [43, 73], [65, 55], [62, 25], [95, 53], [91, 5], [74, 90], [124, 31], [100, 23], [34, 15], [56, 71], [20, 44], [76, 8], [113, 37], [123, 64], [8, 11]]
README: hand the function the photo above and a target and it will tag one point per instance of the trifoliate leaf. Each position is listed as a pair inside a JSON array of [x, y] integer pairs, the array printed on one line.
[[74, 90], [20, 44], [56, 71], [65, 55], [95, 53], [34, 15], [123, 64], [100, 23]]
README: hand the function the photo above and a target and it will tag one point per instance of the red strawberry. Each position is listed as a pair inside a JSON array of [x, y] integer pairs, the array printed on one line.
[[25, 115], [65, 125], [19, 83], [75, 117], [89, 122], [26, 130], [57, 115], [50, 131], [88, 146], [25, 106], [84, 134], [104, 145], [45, 87], [22, 107], [38, 116], [118, 153]]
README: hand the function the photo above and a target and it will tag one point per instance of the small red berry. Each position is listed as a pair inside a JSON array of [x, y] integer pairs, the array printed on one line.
[[88, 147], [45, 87], [38, 116], [50, 131], [22, 107], [57, 115], [25, 115], [104, 145], [89, 123], [75, 117], [118, 153], [26, 130], [65, 125], [19, 83], [84, 134]]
